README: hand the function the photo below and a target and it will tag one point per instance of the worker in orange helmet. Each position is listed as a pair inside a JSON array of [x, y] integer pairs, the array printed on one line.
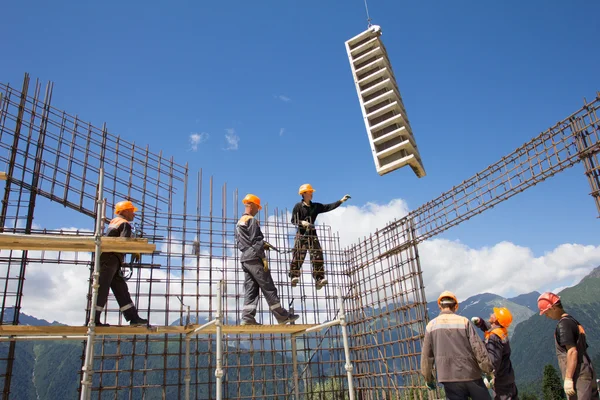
[[255, 265], [571, 349], [498, 347], [304, 216], [459, 355], [110, 267]]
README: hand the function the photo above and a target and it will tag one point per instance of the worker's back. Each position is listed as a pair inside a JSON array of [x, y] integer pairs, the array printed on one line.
[[453, 342]]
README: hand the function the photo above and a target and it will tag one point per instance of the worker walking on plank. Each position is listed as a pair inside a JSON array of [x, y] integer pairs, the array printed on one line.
[[498, 348], [304, 216], [110, 266], [250, 241], [459, 354], [571, 349]]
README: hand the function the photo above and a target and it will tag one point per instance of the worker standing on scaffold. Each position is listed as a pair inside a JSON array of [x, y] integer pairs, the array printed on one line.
[[304, 216], [250, 241], [110, 265]]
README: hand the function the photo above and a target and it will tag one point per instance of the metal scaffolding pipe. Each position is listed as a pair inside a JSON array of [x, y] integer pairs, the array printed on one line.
[[322, 326], [200, 328], [219, 323], [188, 339], [348, 365], [86, 381], [295, 366]]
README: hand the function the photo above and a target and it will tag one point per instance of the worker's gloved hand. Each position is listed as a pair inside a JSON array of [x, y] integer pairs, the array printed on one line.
[[475, 320], [136, 258], [488, 379], [430, 385], [265, 264], [267, 246], [305, 224], [345, 198], [569, 389]]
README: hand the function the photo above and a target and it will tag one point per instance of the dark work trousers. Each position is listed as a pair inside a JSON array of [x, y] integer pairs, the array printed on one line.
[[256, 278], [110, 279], [476, 390], [302, 244], [508, 392]]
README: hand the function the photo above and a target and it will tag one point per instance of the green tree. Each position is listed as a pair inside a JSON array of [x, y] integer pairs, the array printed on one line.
[[551, 384], [528, 396]]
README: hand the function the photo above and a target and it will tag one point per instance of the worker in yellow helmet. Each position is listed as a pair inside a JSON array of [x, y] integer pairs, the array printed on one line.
[[110, 266], [459, 355], [498, 348], [250, 241], [304, 216]]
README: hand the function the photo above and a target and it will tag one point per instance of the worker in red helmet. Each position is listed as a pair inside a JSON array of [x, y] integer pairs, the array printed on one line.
[[304, 216], [250, 241], [498, 348], [571, 349], [459, 355], [110, 266]]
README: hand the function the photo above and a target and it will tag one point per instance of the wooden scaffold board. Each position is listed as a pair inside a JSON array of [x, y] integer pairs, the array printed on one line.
[[10, 241]]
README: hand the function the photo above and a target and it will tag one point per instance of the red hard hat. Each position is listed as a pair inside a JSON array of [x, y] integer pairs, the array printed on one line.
[[546, 301]]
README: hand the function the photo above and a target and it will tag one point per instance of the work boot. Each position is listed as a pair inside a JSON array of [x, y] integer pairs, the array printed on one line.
[[295, 281], [137, 321], [290, 318], [320, 283], [249, 322], [98, 323]]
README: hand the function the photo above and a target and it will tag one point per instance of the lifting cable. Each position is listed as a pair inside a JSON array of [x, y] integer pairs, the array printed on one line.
[[368, 17]]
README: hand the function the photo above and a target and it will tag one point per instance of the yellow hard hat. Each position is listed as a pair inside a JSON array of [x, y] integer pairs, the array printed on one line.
[[446, 294], [250, 198], [305, 188], [124, 205], [503, 316]]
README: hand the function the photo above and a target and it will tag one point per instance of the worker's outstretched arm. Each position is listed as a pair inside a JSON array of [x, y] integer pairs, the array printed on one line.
[[481, 323], [481, 354], [427, 358]]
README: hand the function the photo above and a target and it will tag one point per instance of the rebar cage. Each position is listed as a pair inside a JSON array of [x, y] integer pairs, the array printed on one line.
[[52, 158]]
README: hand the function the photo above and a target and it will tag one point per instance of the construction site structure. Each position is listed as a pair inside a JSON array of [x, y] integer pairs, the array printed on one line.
[[53, 162], [393, 145]]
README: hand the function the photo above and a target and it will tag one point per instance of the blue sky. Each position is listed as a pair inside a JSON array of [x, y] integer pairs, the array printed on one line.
[[478, 79]]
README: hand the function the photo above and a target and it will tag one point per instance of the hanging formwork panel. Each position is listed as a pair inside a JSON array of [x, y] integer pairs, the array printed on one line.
[[392, 142]]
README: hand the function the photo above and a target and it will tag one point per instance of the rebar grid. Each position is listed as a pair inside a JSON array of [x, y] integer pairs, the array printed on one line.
[[54, 156]]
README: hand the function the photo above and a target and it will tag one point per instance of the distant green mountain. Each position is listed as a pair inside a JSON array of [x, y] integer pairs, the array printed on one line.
[[533, 340], [528, 300]]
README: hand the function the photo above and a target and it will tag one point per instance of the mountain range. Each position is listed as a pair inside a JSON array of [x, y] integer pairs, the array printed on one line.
[[51, 369]]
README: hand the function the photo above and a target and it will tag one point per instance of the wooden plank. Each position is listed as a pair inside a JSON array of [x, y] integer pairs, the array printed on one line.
[[74, 243], [27, 330]]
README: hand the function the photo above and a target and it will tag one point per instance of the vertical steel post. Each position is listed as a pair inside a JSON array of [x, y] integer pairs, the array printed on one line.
[[86, 382], [348, 366], [219, 370], [295, 366], [188, 339]]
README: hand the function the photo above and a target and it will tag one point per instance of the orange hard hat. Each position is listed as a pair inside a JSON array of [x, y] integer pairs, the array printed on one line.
[[546, 301], [124, 205], [250, 198], [446, 294], [305, 188], [503, 316]]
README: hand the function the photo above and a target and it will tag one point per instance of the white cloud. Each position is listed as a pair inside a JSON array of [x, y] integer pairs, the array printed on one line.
[[197, 138], [232, 139], [283, 98], [281, 131]]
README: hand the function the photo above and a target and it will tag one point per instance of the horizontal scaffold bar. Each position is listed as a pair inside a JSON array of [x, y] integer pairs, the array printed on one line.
[[30, 331]]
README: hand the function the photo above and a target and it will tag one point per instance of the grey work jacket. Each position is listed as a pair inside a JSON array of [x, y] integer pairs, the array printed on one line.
[[453, 345], [250, 239]]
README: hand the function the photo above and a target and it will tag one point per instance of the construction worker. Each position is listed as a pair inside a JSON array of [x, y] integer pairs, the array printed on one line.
[[304, 216], [571, 349], [459, 355], [498, 348], [250, 241], [110, 267]]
